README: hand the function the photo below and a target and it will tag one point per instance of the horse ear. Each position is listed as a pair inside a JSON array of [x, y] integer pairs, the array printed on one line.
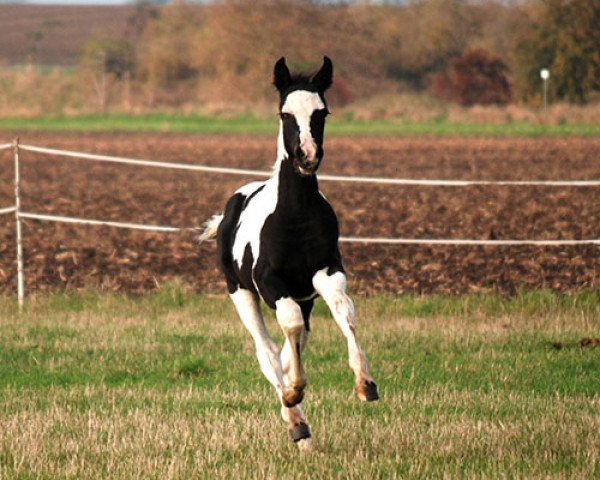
[[324, 77], [281, 75]]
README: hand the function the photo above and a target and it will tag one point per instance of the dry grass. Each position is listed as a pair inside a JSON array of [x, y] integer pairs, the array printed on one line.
[[92, 387], [33, 92], [412, 107]]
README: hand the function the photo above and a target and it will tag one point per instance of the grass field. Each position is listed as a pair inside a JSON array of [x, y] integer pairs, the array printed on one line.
[[250, 125], [167, 386]]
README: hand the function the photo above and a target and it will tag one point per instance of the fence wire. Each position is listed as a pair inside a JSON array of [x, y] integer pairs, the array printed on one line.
[[330, 178], [334, 178], [19, 214]]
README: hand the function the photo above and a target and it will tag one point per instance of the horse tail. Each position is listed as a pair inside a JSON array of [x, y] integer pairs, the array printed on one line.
[[209, 228]]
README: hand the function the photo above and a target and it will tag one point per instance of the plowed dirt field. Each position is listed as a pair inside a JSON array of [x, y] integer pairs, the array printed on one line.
[[65, 256]]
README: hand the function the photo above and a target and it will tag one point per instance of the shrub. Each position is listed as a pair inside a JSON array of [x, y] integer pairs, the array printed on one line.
[[474, 78]]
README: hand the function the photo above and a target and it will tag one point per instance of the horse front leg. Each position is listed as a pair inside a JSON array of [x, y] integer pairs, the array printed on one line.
[[267, 352], [278, 367], [291, 321], [297, 424], [333, 290]]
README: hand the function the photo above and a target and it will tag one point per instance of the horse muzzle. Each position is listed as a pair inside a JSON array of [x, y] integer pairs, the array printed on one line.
[[307, 160], [305, 166]]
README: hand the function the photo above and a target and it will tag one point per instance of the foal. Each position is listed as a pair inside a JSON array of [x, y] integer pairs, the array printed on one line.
[[278, 240]]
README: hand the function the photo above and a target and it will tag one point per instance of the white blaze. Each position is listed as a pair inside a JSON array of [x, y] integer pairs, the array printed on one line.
[[302, 104]]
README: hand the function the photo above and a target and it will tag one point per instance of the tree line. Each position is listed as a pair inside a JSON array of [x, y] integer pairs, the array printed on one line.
[[464, 51]]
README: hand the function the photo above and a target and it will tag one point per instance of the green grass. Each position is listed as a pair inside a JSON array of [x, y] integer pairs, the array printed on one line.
[[250, 125], [167, 386]]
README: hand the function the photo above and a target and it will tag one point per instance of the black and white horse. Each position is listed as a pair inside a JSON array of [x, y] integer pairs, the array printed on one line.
[[278, 240]]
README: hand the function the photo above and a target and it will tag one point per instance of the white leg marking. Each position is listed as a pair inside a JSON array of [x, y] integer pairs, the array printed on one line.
[[269, 356], [333, 290], [289, 314], [266, 350], [287, 354], [293, 416], [305, 445], [289, 317]]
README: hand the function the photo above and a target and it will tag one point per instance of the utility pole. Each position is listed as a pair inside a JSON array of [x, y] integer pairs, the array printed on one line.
[[545, 74]]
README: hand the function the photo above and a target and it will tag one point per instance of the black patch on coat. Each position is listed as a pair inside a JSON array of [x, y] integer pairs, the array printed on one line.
[[225, 238], [306, 307], [298, 239], [245, 272]]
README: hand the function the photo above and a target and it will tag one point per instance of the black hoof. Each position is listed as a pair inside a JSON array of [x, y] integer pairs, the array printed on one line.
[[368, 391], [299, 432]]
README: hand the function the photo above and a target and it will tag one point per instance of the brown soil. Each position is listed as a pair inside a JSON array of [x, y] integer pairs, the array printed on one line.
[[68, 256]]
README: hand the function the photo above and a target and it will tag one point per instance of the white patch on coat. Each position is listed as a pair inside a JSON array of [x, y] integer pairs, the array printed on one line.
[[266, 351], [301, 104], [253, 218], [289, 314], [329, 285], [281, 151], [249, 188], [262, 205]]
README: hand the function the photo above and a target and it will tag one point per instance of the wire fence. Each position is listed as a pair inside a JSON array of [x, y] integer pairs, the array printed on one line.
[[19, 214], [327, 178], [7, 210]]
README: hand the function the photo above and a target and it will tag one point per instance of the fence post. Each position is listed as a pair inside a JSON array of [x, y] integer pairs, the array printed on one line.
[[20, 280]]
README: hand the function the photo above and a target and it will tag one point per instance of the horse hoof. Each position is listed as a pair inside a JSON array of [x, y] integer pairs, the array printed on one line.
[[300, 432], [367, 392], [292, 397]]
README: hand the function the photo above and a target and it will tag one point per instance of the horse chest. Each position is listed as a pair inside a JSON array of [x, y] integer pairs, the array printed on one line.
[[283, 233], [298, 245]]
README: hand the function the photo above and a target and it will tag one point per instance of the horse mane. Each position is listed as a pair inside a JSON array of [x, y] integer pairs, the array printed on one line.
[[300, 78], [300, 81]]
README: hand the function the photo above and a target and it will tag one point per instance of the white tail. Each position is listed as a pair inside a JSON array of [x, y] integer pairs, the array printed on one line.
[[209, 228]]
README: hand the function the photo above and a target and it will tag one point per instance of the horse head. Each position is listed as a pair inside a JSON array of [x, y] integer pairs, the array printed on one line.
[[303, 109]]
